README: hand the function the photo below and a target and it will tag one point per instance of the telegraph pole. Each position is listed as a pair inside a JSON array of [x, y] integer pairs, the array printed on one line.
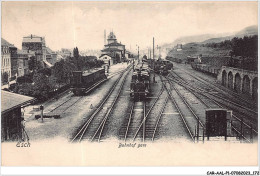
[[138, 54], [153, 48], [153, 63]]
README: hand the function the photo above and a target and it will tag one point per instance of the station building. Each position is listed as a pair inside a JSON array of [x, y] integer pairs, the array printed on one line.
[[11, 115], [113, 51]]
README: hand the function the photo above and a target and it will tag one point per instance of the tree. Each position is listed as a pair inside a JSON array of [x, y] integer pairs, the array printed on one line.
[[40, 86], [32, 63], [45, 71], [58, 71], [4, 77], [76, 52]]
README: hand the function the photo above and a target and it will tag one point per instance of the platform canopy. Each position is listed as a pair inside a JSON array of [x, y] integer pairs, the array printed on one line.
[[10, 101]]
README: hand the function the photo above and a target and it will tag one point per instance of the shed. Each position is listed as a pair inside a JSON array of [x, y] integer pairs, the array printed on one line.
[[11, 115]]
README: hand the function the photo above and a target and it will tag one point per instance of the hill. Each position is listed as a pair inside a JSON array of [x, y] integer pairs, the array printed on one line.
[[213, 38], [195, 49], [248, 31]]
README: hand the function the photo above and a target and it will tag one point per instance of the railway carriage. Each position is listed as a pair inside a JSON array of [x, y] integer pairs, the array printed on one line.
[[81, 81]]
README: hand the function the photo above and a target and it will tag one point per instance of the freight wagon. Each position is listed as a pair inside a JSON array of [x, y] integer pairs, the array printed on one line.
[[212, 70]]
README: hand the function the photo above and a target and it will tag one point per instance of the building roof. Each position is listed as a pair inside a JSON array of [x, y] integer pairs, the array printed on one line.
[[115, 44], [10, 101], [6, 43], [91, 71], [92, 57], [49, 50], [110, 49], [110, 55], [33, 38]]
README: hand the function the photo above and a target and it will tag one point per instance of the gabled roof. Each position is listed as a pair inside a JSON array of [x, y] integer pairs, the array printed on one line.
[[6, 43], [110, 50], [11, 101]]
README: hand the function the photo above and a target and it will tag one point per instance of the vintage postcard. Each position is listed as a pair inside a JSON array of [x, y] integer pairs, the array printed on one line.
[[129, 83]]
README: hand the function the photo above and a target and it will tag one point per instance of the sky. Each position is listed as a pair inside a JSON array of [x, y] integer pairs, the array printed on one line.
[[82, 24]]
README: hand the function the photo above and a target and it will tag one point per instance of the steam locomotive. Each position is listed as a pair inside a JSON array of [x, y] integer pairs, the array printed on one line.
[[140, 83], [161, 66]]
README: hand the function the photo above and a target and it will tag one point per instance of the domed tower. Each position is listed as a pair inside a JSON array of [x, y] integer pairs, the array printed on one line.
[[111, 38]]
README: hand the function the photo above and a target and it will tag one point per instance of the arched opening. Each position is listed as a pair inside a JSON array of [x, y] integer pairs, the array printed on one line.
[[237, 86], [246, 85], [255, 89], [224, 78], [230, 80]]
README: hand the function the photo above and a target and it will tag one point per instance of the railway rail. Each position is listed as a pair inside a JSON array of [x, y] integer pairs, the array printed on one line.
[[72, 100], [145, 116], [148, 126], [189, 123], [226, 93], [227, 103], [199, 94], [93, 128], [218, 102]]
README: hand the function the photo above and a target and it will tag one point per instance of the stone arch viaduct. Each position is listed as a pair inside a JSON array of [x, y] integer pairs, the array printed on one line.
[[241, 81]]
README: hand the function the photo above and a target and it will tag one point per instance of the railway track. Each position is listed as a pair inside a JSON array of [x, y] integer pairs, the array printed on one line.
[[72, 100], [92, 129], [187, 114], [135, 126], [142, 129], [243, 111], [64, 106], [143, 124], [209, 102], [225, 95]]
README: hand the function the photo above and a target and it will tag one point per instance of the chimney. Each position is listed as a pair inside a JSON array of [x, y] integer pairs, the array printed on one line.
[[105, 37]]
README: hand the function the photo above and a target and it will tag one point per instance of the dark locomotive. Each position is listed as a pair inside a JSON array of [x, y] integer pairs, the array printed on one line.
[[161, 66], [140, 83], [82, 81]]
